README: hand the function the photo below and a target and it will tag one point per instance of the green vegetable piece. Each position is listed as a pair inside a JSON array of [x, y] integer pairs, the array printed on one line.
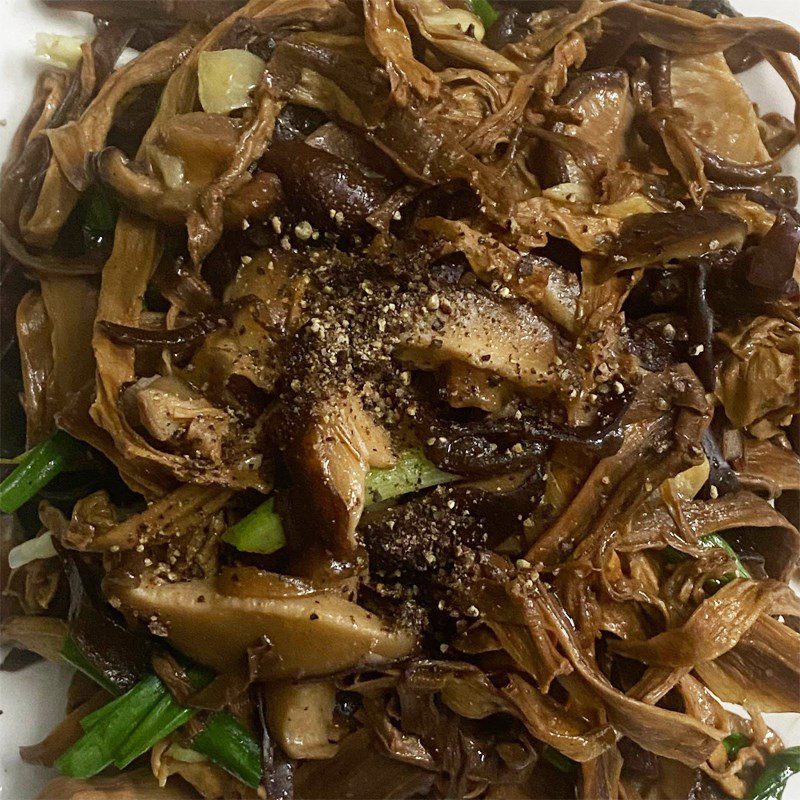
[[165, 717], [484, 10], [231, 746], [261, 531], [714, 540], [734, 742], [101, 714], [708, 542], [97, 748], [128, 726], [411, 473], [72, 654], [101, 212], [558, 759], [100, 217], [36, 469], [778, 768]]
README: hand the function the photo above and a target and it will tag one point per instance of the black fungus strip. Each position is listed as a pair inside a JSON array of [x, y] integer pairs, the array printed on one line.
[[734, 173], [327, 191], [175, 339], [700, 324], [661, 78], [121, 655], [773, 261]]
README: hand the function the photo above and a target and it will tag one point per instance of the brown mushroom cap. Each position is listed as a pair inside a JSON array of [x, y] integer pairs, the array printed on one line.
[[655, 239], [602, 99], [312, 633], [508, 339]]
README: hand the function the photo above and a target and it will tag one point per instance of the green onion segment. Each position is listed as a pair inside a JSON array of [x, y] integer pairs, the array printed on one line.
[[261, 531], [231, 746], [778, 768], [484, 10], [37, 468]]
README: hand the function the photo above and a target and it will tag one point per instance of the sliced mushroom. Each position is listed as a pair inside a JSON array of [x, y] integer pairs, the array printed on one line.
[[560, 299], [311, 633], [507, 339], [328, 191], [300, 718], [548, 286], [274, 277], [657, 239], [330, 443], [468, 387], [329, 461]]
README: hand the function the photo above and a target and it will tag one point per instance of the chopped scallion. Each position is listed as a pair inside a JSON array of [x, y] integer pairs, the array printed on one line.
[[101, 211], [36, 469], [165, 717], [231, 746], [99, 746], [710, 542], [261, 531], [128, 726], [411, 473], [484, 10], [778, 768], [713, 540], [734, 742]]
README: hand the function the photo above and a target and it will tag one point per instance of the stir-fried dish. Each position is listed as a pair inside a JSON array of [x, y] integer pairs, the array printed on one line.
[[411, 400]]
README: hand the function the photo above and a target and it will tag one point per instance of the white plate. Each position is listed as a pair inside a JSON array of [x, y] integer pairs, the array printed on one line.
[[33, 700]]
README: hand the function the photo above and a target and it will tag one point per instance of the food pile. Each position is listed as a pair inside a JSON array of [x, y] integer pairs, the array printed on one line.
[[405, 388]]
